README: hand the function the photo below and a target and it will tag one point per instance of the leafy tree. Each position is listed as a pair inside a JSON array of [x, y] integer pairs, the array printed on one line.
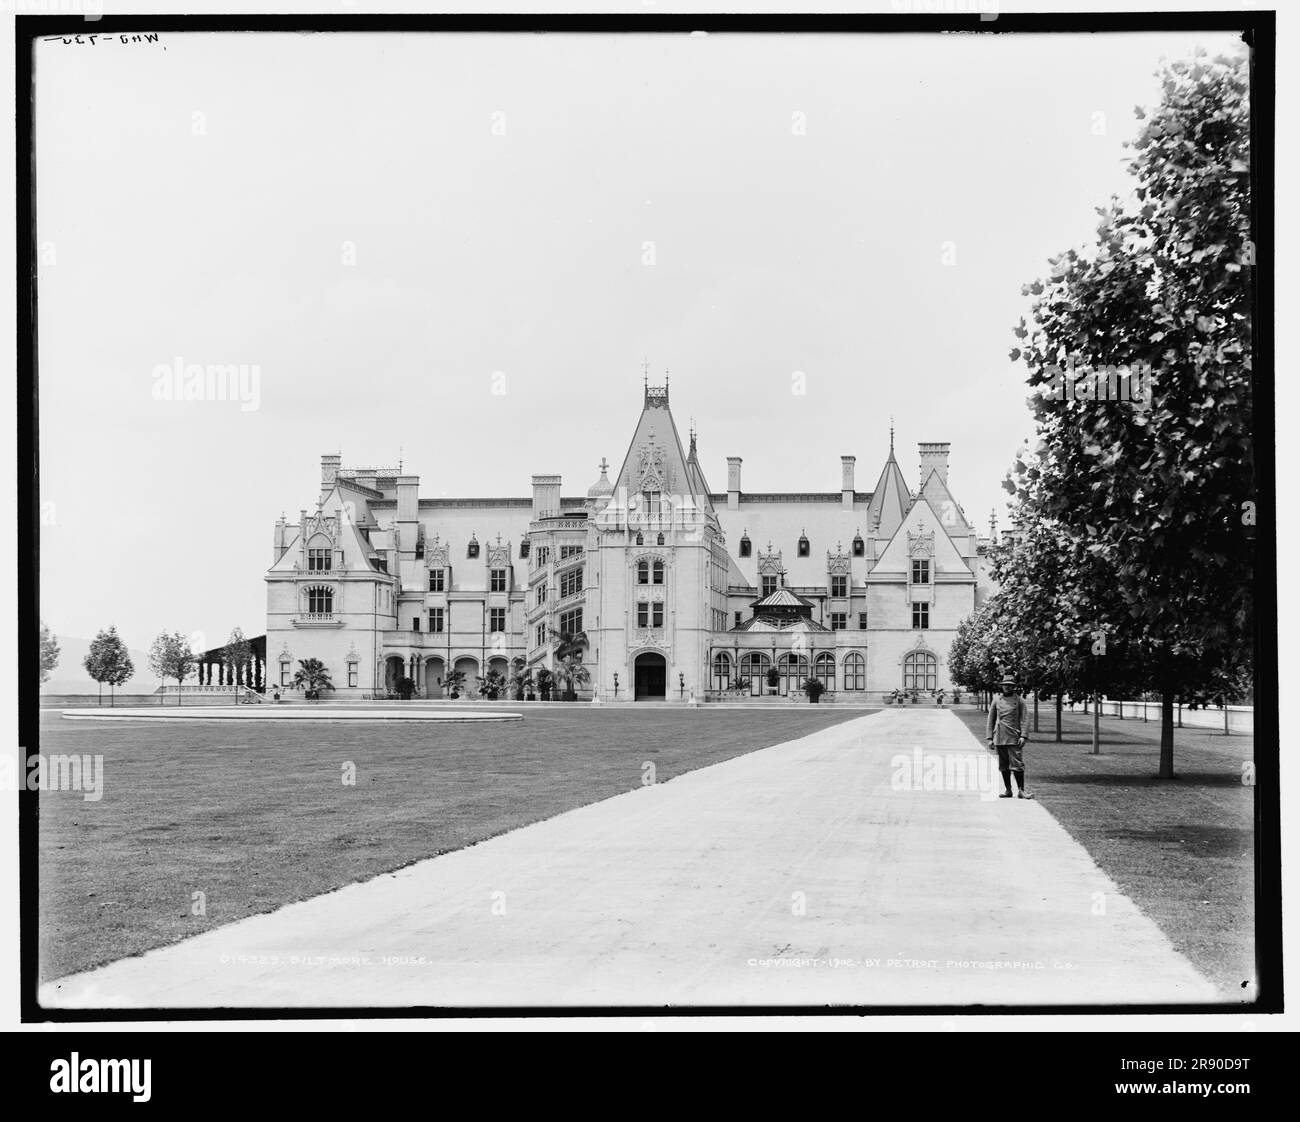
[[1154, 500], [108, 661], [49, 652], [312, 677], [171, 657], [237, 655]]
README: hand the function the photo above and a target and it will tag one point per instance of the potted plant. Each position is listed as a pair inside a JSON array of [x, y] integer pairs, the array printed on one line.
[[740, 686], [916, 696], [311, 677], [522, 684], [454, 682], [492, 685], [573, 674], [544, 679], [773, 679], [405, 688], [938, 698], [814, 688], [956, 697]]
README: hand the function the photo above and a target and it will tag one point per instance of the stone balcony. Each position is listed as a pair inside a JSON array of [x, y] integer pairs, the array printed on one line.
[[317, 619]]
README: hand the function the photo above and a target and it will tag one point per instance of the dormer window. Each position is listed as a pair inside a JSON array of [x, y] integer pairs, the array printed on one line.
[[523, 548], [746, 546], [660, 540], [859, 546], [472, 551], [804, 547], [318, 560], [640, 538]]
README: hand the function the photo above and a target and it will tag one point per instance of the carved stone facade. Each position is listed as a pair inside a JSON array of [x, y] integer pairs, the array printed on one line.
[[648, 568]]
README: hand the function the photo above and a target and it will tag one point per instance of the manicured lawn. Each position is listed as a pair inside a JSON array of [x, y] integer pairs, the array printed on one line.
[[256, 816], [1183, 850]]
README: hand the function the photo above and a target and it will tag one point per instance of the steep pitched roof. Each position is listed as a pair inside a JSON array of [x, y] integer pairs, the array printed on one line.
[[889, 501], [936, 492], [655, 454]]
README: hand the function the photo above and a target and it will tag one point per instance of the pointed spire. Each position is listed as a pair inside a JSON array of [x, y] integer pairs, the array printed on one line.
[[891, 436]]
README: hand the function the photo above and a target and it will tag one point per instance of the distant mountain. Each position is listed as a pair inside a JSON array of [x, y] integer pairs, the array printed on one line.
[[71, 677]]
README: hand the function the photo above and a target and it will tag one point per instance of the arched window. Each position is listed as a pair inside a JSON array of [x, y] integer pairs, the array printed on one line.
[[824, 670], [754, 666], [721, 672], [746, 546], [920, 671], [659, 540], [794, 671], [320, 601], [643, 572], [640, 538], [804, 546], [658, 572], [855, 672]]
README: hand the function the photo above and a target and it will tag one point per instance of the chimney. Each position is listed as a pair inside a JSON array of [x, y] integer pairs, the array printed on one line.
[[329, 470], [934, 457], [846, 481], [408, 513], [280, 544], [546, 496], [733, 482]]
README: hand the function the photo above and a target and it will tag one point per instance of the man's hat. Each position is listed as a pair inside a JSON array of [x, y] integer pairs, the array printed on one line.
[[1008, 680]]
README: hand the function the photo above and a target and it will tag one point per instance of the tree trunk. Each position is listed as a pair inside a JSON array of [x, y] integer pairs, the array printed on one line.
[[1059, 704], [1035, 710], [1166, 734], [1096, 726]]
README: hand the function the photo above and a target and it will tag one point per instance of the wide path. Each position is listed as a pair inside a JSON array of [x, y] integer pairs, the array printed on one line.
[[827, 870]]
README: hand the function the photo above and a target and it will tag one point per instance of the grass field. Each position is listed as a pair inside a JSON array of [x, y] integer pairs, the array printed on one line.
[[1183, 850], [258, 816]]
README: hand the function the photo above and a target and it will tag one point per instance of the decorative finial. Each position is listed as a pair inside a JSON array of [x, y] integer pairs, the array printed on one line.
[[645, 370], [891, 434], [604, 467], [399, 459]]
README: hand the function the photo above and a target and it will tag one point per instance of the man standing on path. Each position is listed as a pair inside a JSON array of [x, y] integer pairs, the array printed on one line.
[[1006, 733]]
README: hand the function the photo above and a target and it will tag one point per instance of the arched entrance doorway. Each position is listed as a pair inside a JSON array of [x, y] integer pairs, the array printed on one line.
[[433, 675], [469, 684], [650, 677], [394, 668]]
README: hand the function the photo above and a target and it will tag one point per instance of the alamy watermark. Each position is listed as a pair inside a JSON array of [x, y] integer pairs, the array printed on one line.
[[182, 381], [1075, 382]]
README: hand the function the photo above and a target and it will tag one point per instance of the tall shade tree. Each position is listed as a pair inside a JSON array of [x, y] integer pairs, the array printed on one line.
[[1155, 499], [49, 652], [108, 661], [237, 654], [171, 657]]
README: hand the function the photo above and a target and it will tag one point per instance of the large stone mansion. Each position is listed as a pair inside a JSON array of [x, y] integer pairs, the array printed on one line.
[[681, 591]]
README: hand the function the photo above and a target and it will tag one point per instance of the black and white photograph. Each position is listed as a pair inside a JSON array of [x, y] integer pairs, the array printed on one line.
[[620, 517]]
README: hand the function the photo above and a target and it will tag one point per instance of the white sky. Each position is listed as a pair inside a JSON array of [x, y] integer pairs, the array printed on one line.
[[522, 253]]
